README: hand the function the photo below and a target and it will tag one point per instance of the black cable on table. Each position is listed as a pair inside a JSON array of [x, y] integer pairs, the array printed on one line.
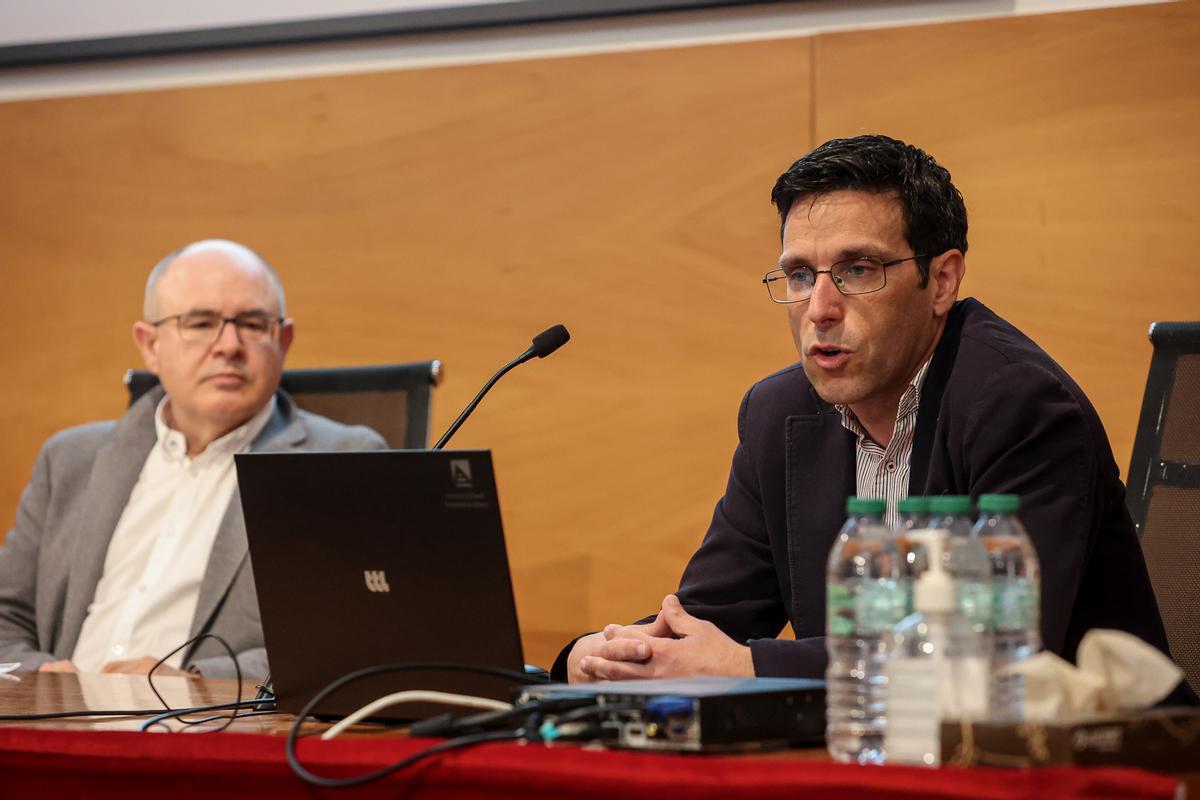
[[408, 666]]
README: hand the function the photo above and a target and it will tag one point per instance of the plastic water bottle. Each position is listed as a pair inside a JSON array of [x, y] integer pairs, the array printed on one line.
[[1016, 578], [940, 663], [866, 597], [913, 516], [965, 559]]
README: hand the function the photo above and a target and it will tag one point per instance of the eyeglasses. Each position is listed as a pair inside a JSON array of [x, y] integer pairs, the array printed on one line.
[[858, 275], [206, 327]]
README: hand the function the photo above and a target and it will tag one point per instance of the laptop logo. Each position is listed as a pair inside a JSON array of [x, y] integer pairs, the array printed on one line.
[[460, 473], [376, 580]]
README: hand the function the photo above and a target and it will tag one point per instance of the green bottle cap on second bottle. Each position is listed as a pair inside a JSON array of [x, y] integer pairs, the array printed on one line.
[[1003, 503], [917, 504], [865, 505], [950, 504]]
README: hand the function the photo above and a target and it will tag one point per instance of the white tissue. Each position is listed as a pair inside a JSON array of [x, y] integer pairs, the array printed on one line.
[[1116, 671]]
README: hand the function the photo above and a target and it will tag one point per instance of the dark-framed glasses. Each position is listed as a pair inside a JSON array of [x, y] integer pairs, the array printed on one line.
[[206, 327], [858, 275]]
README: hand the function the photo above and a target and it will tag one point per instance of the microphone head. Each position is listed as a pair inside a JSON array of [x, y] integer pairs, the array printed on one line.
[[549, 340]]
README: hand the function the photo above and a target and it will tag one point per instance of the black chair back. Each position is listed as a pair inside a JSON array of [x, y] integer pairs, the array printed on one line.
[[1164, 486], [394, 399]]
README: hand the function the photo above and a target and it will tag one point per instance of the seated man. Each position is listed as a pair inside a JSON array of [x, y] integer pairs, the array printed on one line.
[[901, 389], [129, 539]]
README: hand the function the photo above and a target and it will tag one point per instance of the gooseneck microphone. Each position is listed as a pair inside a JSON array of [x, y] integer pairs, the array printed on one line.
[[543, 345]]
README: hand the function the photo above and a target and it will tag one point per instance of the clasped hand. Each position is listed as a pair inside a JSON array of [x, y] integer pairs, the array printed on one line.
[[674, 645]]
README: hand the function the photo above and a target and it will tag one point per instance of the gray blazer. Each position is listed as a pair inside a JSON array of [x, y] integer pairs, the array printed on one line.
[[52, 559]]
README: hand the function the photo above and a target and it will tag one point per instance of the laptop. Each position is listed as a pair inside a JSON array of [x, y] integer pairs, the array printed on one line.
[[368, 558]]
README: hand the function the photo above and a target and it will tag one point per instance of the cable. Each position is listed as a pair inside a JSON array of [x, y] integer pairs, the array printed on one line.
[[447, 725], [410, 666], [241, 715], [177, 713], [237, 670], [415, 696], [140, 712], [452, 744]]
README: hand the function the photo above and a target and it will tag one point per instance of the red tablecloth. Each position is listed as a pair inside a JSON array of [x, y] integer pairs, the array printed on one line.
[[97, 764]]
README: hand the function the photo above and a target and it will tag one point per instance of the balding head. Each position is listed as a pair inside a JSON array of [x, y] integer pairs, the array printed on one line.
[[216, 335], [212, 251]]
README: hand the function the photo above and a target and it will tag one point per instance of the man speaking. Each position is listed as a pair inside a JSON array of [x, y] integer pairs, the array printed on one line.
[[901, 388]]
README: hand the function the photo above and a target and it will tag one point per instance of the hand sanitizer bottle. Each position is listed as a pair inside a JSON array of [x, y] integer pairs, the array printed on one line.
[[940, 665]]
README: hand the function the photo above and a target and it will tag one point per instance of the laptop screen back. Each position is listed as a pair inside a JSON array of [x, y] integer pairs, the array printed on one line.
[[369, 558]]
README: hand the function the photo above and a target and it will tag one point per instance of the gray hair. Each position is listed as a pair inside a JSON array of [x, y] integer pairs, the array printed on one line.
[[149, 305]]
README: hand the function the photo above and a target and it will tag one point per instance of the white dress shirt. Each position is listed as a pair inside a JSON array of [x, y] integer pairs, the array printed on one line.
[[146, 598]]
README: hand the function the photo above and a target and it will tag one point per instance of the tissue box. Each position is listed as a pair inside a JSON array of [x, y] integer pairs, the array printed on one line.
[[1165, 739]]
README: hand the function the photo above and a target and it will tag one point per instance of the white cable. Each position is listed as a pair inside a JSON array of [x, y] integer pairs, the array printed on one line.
[[415, 696]]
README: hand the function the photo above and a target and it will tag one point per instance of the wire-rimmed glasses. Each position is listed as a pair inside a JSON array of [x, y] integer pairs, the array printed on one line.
[[206, 327], [858, 275]]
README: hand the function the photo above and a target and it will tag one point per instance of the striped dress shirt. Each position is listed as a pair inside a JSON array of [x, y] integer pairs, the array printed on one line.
[[882, 472]]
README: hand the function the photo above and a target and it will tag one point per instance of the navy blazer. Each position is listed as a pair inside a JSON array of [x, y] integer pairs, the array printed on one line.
[[996, 415]]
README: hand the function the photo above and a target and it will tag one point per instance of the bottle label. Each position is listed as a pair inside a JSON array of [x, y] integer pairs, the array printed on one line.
[[924, 691], [868, 607], [881, 604], [914, 719], [1014, 604]]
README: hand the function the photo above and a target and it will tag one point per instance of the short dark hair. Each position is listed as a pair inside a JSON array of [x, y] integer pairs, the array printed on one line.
[[935, 217]]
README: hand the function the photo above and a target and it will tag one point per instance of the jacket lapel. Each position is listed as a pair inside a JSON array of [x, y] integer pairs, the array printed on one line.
[[283, 431], [115, 471], [932, 391]]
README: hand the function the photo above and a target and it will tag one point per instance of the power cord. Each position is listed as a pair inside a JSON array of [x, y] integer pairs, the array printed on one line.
[[453, 744], [174, 713]]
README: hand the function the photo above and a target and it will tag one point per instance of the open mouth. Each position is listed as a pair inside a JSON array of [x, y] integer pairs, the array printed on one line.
[[828, 356]]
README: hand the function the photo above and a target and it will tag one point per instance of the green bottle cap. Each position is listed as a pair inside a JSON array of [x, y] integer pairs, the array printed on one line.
[[913, 505], [1002, 503], [865, 505], [950, 504]]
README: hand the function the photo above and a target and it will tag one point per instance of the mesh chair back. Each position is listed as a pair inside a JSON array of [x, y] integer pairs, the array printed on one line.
[[394, 399], [1164, 486]]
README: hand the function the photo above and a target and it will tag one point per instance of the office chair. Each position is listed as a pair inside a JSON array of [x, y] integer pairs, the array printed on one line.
[[1164, 486], [394, 399]]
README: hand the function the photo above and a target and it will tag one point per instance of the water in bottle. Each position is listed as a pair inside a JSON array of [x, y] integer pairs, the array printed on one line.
[[1015, 581], [866, 597], [913, 516]]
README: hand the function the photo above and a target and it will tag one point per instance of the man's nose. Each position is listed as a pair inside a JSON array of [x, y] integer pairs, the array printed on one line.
[[229, 338], [825, 303]]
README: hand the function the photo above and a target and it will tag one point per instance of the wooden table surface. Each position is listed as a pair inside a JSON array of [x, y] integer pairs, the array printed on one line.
[[49, 692]]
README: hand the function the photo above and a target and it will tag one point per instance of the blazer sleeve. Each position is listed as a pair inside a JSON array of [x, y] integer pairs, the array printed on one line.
[[19, 572], [732, 579]]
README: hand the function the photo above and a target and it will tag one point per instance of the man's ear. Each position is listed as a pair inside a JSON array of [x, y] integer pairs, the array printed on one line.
[[287, 332], [946, 273], [145, 337]]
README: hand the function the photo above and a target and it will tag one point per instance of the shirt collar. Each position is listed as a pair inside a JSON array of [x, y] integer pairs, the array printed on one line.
[[909, 402], [174, 444]]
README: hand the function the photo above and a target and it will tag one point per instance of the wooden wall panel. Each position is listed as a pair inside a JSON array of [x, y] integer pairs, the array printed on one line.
[[1074, 139], [448, 213], [453, 213]]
